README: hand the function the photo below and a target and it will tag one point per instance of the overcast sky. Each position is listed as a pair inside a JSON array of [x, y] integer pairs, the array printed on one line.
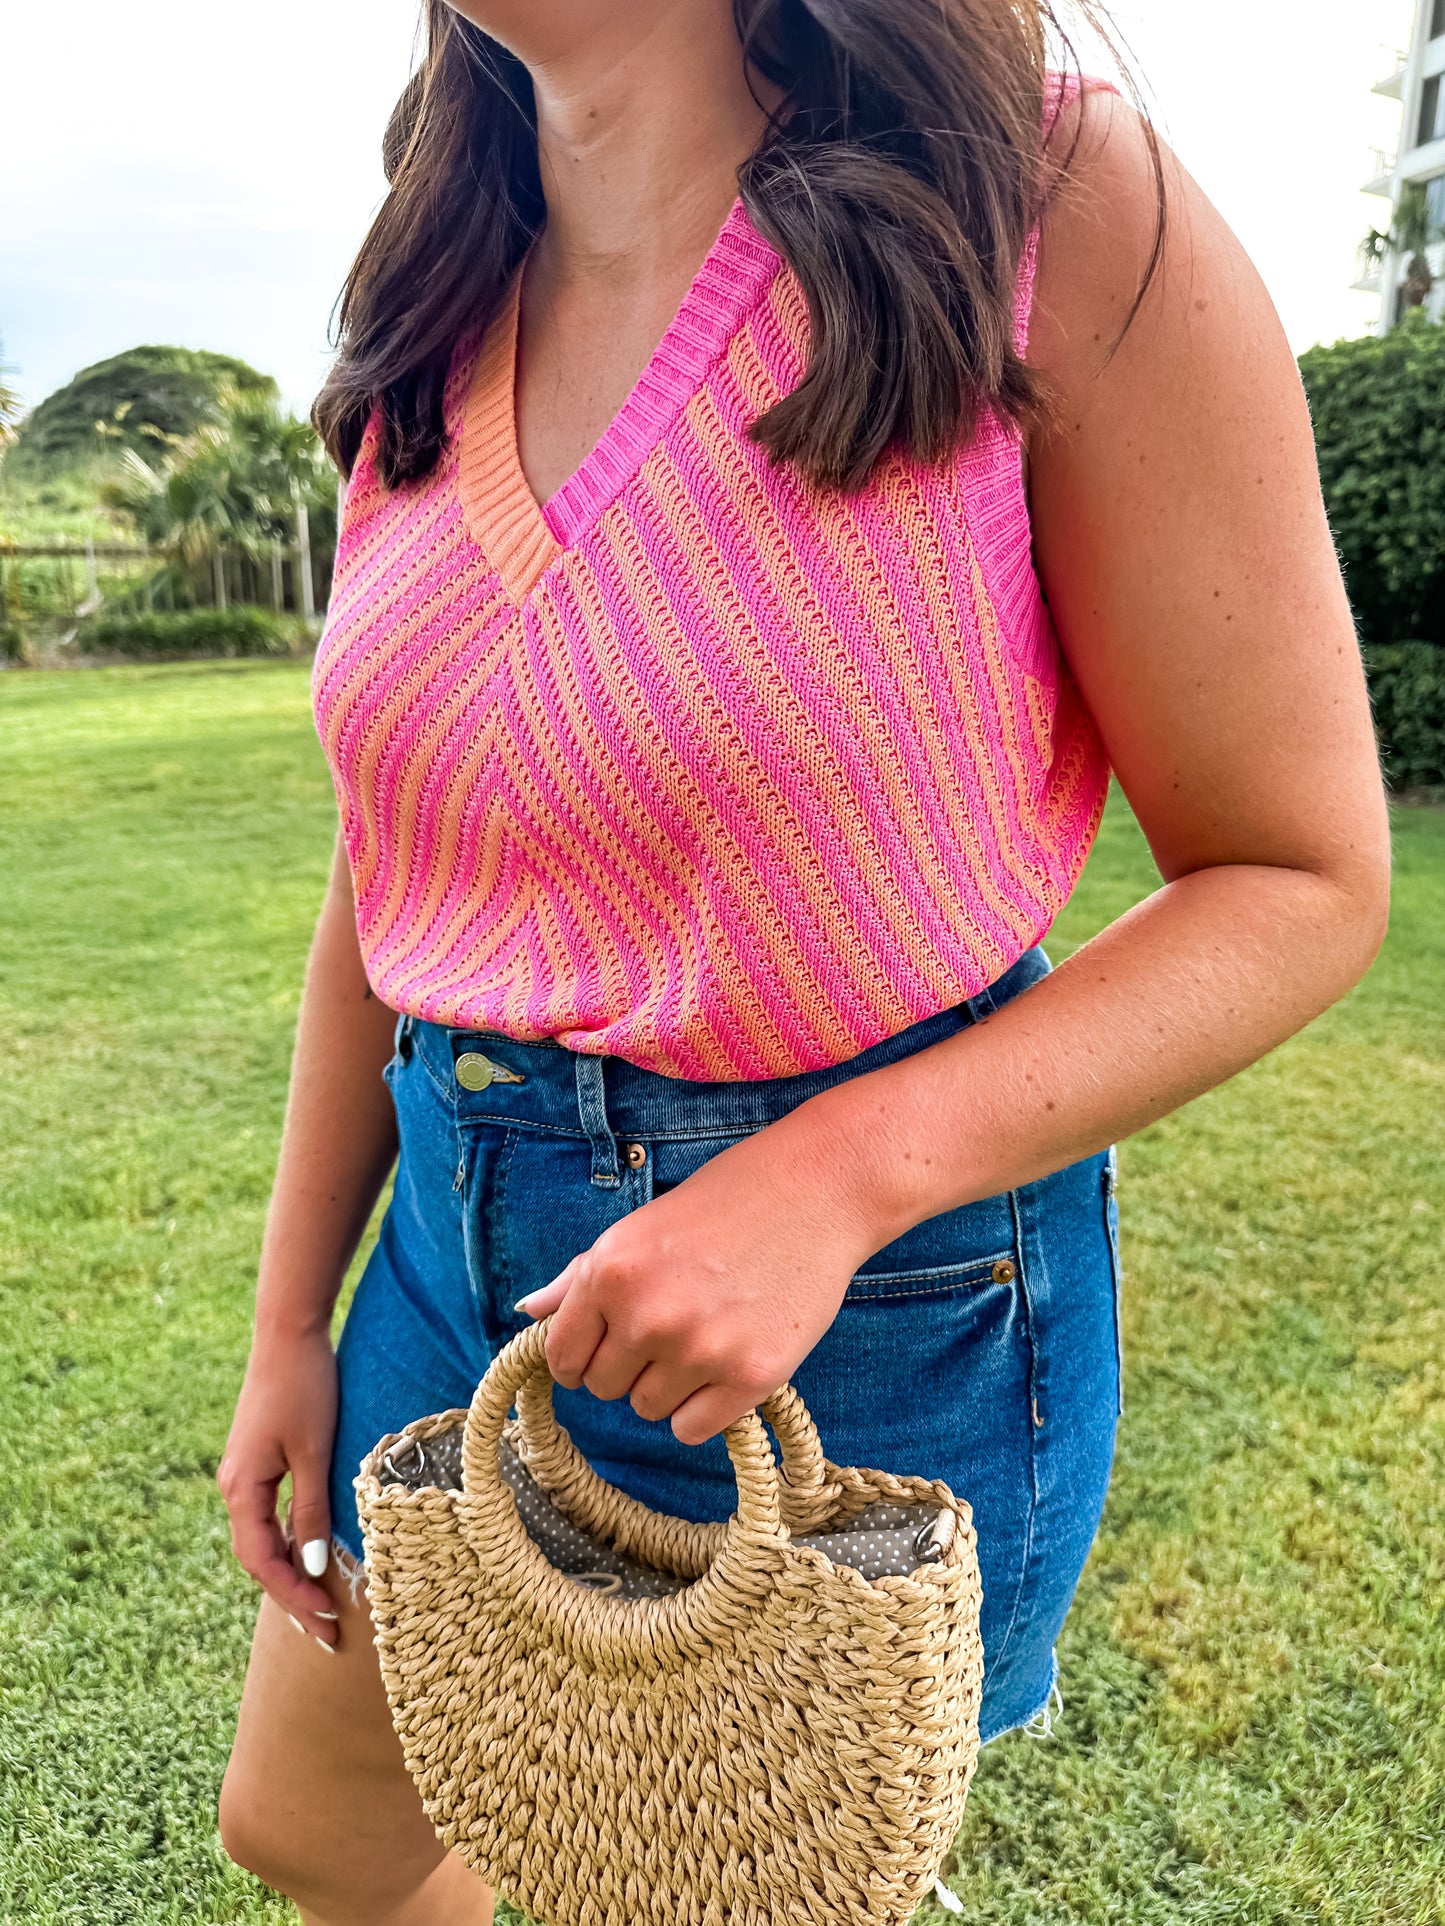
[[185, 173]]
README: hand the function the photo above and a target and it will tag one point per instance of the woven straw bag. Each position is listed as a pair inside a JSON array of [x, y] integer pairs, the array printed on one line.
[[779, 1740]]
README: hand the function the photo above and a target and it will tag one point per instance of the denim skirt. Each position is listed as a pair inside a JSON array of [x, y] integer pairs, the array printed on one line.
[[980, 1347]]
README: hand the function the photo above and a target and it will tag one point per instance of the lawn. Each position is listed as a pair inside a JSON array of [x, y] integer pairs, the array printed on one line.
[[1253, 1672]]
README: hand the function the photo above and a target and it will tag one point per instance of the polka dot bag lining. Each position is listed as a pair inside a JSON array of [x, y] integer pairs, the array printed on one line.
[[882, 1540]]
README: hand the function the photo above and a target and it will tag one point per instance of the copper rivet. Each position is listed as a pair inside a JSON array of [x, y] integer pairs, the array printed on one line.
[[636, 1155], [1004, 1272]]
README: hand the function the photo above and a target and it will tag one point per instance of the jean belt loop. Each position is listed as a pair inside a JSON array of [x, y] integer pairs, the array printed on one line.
[[980, 1005], [592, 1108]]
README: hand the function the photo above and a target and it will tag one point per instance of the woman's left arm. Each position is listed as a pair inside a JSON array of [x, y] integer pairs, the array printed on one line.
[[1182, 542]]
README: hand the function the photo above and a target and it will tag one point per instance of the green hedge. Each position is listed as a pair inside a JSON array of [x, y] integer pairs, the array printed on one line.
[[1378, 406], [1407, 687], [237, 631]]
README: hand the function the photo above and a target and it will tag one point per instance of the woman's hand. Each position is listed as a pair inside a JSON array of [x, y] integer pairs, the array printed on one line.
[[338, 1144], [700, 1304], [285, 1421]]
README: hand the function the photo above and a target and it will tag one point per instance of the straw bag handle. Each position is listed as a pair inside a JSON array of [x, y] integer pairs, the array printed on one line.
[[676, 1544], [809, 1494]]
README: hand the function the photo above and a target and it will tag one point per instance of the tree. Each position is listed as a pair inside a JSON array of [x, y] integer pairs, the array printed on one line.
[[286, 469], [139, 399], [1412, 232], [247, 479], [1378, 405], [11, 407]]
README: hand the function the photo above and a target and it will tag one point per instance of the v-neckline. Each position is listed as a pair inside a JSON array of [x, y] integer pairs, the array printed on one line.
[[521, 536]]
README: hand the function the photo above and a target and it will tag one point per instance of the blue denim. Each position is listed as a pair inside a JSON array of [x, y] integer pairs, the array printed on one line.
[[981, 1347]]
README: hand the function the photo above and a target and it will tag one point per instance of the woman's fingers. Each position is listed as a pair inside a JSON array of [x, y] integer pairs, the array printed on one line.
[[577, 1329], [708, 1411], [614, 1367], [263, 1551], [311, 1531], [660, 1389], [538, 1303]]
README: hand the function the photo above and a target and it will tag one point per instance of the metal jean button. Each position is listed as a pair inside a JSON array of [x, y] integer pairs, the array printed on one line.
[[636, 1155], [475, 1072]]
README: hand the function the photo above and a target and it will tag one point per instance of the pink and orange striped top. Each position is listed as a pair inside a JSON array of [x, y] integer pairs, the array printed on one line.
[[697, 764]]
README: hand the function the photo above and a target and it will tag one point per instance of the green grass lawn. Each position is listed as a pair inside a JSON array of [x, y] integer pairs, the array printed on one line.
[[1253, 1673]]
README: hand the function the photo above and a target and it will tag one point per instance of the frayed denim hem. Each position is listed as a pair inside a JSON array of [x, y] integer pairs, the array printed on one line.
[[350, 1565], [1040, 1722]]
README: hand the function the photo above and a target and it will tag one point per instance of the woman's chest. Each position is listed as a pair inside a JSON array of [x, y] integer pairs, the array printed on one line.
[[716, 632]]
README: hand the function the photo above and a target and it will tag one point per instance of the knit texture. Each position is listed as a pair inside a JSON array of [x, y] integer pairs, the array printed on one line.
[[698, 764]]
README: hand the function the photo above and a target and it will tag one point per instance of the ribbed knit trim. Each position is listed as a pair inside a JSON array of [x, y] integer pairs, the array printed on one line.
[[522, 537], [500, 509]]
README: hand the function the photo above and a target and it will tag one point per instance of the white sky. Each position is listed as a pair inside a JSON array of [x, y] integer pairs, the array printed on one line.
[[185, 173]]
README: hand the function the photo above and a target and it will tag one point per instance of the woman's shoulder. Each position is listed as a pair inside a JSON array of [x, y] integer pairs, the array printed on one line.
[[1123, 232]]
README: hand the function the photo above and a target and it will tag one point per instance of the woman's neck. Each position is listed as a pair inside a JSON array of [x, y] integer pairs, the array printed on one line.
[[643, 121]]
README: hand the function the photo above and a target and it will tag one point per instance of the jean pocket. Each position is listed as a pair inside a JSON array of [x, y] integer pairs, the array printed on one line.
[[954, 1251], [1110, 1186], [932, 1281], [957, 1250], [670, 1161]]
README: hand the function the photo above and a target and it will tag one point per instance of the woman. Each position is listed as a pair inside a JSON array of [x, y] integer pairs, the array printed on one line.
[[794, 454]]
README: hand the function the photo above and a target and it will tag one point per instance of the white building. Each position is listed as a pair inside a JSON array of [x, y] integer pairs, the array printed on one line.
[[1418, 83]]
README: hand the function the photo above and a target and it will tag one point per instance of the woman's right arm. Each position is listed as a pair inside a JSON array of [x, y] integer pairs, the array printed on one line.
[[337, 1147]]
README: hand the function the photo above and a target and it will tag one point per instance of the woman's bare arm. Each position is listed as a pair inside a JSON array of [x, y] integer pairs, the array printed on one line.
[[1184, 549], [338, 1144], [1183, 545]]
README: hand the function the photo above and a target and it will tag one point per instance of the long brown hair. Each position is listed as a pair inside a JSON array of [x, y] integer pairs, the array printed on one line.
[[899, 178]]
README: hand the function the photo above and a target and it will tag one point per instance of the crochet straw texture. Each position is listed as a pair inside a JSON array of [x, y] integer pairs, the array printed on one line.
[[781, 1741], [698, 764]]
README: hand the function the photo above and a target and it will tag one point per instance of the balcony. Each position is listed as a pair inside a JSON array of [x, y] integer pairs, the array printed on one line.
[[1382, 178], [1392, 87]]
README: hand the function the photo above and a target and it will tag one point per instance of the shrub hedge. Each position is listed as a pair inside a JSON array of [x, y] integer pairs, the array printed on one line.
[[165, 633], [1407, 687], [1378, 407]]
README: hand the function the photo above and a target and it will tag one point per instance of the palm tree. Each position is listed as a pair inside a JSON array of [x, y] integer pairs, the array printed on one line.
[[1413, 230], [244, 480], [10, 407], [285, 467], [188, 510]]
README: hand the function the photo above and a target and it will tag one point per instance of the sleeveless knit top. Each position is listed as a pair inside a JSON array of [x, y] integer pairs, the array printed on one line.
[[698, 764]]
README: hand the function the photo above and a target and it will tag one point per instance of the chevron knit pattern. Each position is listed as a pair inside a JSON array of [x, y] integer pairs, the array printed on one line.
[[697, 764]]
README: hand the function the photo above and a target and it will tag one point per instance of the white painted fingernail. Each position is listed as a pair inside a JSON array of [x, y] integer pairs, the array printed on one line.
[[297, 1623], [328, 1614], [324, 1646], [314, 1554]]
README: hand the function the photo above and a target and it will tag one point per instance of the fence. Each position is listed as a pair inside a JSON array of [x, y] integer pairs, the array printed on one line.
[[48, 588]]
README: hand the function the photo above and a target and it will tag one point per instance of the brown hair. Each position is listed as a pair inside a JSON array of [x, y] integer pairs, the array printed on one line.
[[900, 178]]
